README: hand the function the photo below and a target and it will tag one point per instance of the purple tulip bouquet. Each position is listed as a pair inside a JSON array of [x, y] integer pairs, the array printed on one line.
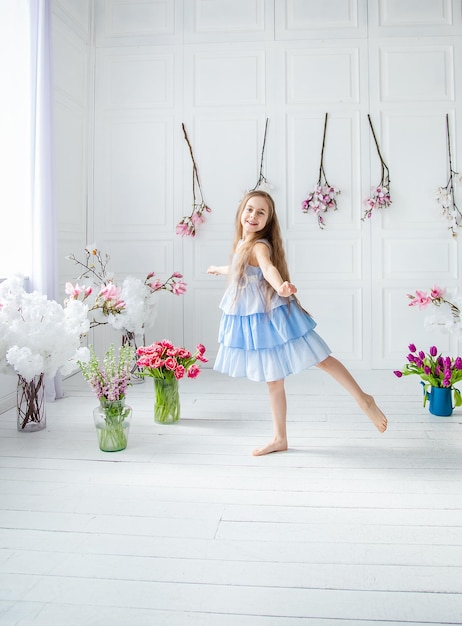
[[434, 369]]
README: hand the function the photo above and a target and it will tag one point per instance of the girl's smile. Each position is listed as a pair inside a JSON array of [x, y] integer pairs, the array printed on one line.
[[255, 215]]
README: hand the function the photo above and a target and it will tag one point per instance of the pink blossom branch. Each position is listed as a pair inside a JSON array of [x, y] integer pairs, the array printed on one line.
[[262, 178], [446, 195], [188, 223], [380, 196], [324, 196]]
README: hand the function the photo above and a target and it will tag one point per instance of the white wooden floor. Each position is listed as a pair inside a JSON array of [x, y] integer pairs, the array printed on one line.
[[185, 527]]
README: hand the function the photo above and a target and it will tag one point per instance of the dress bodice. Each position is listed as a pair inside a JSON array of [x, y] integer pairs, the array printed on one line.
[[248, 296]]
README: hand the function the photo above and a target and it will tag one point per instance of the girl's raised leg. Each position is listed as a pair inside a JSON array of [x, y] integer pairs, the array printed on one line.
[[365, 402], [278, 404]]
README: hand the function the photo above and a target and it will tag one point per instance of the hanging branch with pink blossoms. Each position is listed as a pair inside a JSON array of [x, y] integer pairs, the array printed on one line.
[[445, 195], [188, 223], [323, 197], [262, 183], [380, 196]]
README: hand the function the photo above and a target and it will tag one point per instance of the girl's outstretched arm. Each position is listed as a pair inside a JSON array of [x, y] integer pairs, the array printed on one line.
[[217, 270], [270, 272]]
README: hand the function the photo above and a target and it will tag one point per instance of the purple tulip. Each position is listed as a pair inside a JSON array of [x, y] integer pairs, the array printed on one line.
[[422, 354], [458, 363], [398, 373], [427, 370], [412, 347], [419, 363], [433, 351], [411, 358]]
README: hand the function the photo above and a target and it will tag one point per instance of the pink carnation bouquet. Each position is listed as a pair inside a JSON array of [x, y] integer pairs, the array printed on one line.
[[167, 364], [164, 360]]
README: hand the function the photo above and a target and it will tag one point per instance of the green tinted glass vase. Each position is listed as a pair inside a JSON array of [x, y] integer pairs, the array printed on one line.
[[112, 421], [167, 401]]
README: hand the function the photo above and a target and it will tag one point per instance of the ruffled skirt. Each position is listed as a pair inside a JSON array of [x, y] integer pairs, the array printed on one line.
[[269, 346]]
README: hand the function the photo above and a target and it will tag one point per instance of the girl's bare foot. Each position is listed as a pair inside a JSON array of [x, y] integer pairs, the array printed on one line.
[[277, 445], [373, 412]]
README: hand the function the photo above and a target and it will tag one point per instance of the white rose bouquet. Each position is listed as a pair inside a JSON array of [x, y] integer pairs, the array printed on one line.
[[37, 335]]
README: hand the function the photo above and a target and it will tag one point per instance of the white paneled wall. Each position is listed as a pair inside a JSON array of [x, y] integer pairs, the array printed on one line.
[[222, 67], [413, 78]]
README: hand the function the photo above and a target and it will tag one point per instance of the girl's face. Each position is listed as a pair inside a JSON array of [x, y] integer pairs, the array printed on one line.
[[255, 215]]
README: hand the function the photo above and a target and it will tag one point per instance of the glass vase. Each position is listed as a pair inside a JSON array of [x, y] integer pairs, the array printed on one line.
[[167, 401], [31, 404], [112, 421], [129, 338]]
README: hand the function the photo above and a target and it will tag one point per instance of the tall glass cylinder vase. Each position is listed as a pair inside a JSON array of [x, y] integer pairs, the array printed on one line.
[[31, 404], [129, 338], [167, 401]]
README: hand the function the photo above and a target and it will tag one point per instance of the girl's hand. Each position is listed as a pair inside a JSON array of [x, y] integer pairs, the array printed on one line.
[[286, 289], [217, 270]]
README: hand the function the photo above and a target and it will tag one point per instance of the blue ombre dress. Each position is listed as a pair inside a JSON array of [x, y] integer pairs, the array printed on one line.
[[264, 345]]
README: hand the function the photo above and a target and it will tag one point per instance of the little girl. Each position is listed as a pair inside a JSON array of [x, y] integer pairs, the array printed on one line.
[[265, 334]]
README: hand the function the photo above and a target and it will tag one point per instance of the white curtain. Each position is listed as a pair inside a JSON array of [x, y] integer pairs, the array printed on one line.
[[44, 245], [26, 147], [15, 115]]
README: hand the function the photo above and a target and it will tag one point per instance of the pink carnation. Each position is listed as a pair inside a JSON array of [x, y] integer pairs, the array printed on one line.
[[179, 372], [170, 363], [194, 371]]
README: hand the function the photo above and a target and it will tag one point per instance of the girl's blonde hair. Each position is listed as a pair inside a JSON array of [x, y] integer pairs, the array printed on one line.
[[271, 233]]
